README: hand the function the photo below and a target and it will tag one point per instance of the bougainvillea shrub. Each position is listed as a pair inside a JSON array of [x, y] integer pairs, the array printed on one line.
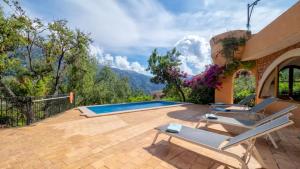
[[209, 78], [204, 84]]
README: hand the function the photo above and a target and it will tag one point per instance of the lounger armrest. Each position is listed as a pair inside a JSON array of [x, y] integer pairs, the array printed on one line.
[[227, 105], [232, 111]]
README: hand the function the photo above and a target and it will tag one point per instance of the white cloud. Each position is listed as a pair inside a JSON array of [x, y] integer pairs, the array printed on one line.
[[185, 68], [135, 66], [120, 62], [195, 53], [140, 25], [95, 50], [108, 23]]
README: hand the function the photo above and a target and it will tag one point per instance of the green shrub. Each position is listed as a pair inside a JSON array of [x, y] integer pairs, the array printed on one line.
[[172, 93], [173, 99], [140, 98], [202, 95], [243, 87]]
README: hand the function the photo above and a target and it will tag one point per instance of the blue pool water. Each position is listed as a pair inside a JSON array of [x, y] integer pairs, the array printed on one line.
[[129, 106]]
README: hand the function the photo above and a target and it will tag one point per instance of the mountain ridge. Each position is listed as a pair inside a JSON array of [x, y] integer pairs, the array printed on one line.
[[138, 81]]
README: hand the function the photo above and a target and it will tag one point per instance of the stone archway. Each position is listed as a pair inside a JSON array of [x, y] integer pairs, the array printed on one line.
[[226, 93]]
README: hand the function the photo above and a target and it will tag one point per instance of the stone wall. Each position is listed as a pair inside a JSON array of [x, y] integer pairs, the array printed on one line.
[[263, 63]]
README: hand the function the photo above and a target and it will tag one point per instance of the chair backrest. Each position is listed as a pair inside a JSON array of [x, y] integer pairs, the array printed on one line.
[[261, 106], [247, 99], [259, 131], [276, 115]]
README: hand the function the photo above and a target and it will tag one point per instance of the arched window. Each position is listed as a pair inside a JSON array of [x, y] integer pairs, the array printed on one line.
[[289, 82]]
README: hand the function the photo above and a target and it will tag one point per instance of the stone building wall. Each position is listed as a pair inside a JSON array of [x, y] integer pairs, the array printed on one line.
[[263, 63]]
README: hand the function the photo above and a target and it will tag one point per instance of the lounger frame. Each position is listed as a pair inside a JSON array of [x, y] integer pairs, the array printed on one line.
[[250, 142], [259, 108], [242, 103], [266, 119]]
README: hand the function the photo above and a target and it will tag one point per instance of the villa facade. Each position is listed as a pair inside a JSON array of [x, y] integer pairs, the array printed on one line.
[[275, 50]]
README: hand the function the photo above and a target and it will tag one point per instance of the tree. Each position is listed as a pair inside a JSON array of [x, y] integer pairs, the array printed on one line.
[[63, 44], [165, 69], [117, 89], [10, 40], [105, 87], [38, 59]]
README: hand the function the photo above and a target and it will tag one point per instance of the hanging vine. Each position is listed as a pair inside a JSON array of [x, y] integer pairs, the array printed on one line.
[[230, 47]]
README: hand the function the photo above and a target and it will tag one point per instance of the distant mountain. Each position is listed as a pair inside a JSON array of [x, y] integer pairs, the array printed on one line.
[[138, 80]]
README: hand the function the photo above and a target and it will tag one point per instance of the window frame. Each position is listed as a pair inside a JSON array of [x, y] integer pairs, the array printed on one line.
[[290, 82]]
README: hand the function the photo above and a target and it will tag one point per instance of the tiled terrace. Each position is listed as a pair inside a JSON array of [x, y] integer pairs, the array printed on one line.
[[124, 141]]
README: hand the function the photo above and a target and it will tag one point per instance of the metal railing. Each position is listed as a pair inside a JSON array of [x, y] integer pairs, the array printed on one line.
[[21, 111]]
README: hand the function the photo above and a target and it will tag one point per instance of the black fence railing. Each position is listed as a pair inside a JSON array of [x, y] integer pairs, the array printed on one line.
[[21, 111]]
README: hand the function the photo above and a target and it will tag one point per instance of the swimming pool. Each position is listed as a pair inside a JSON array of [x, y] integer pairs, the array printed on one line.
[[98, 110]]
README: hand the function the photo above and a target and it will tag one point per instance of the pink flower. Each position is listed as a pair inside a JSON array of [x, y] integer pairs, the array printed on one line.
[[208, 78]]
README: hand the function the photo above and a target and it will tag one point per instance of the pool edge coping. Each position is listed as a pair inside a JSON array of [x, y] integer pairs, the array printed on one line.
[[88, 113]]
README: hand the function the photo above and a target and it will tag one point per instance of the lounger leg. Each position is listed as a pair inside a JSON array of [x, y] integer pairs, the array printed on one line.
[[206, 123], [259, 158], [277, 135], [213, 163], [201, 120], [198, 124], [272, 140], [169, 140], [155, 138], [244, 166]]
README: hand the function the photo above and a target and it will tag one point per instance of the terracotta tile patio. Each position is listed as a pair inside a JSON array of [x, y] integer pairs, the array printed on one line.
[[124, 141]]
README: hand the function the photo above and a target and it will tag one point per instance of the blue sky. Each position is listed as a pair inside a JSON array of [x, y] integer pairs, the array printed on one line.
[[126, 31]]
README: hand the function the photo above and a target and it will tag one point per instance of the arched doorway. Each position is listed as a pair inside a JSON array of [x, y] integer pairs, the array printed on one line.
[[284, 81], [268, 83], [244, 84]]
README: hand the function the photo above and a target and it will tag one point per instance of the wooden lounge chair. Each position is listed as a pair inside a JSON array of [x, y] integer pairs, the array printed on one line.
[[220, 143], [246, 123]]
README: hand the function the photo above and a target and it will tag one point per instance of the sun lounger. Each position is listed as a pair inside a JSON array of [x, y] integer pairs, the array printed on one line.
[[243, 103], [219, 143], [256, 109], [246, 123]]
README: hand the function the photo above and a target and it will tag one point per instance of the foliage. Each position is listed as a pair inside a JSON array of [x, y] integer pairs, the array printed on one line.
[[236, 64], [231, 45], [244, 85], [203, 85], [248, 64], [10, 39], [209, 78], [289, 87], [172, 94], [202, 95], [165, 69], [138, 96], [40, 59], [107, 87]]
